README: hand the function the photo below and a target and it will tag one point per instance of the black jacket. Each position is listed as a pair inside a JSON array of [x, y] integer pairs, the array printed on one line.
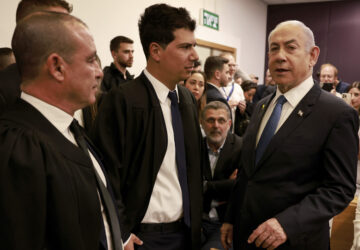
[[113, 78], [131, 130]]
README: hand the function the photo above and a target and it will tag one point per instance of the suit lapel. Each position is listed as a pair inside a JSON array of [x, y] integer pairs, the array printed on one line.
[[299, 114], [207, 168], [225, 151], [159, 127]]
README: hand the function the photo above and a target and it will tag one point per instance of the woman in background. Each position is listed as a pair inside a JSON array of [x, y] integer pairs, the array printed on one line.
[[354, 90], [196, 83]]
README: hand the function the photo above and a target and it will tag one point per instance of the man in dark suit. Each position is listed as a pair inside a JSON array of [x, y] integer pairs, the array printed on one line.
[[299, 155], [222, 161], [148, 129], [216, 69], [53, 189]]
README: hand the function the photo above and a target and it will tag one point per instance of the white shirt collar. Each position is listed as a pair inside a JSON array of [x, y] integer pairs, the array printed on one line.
[[294, 95], [57, 117], [161, 90]]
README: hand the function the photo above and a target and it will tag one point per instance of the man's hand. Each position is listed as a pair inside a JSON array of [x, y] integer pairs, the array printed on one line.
[[269, 235], [233, 175], [226, 235], [242, 106], [232, 104], [129, 245]]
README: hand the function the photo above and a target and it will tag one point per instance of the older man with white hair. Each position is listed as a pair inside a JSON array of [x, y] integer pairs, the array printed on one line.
[[299, 155]]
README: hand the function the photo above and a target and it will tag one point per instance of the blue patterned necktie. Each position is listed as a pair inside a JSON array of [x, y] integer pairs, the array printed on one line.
[[180, 153], [269, 129]]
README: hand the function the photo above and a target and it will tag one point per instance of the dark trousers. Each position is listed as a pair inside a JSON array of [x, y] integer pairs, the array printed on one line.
[[210, 237], [157, 238]]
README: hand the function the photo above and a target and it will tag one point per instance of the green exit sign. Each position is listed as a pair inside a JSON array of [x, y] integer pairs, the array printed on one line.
[[210, 19]]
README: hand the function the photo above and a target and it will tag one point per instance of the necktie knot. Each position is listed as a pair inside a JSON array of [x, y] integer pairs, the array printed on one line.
[[281, 100], [173, 97], [74, 128]]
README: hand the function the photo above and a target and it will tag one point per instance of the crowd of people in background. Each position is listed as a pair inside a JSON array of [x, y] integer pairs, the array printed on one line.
[[186, 155]]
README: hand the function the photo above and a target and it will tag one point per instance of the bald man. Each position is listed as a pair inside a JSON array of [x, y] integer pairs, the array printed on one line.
[[54, 193], [299, 155]]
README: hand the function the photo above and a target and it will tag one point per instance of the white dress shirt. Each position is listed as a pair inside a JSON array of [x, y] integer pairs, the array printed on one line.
[[213, 158], [62, 120], [293, 97], [166, 203], [234, 99], [237, 94]]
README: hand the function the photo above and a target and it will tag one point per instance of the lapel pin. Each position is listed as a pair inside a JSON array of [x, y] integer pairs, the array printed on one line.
[[263, 106], [300, 113]]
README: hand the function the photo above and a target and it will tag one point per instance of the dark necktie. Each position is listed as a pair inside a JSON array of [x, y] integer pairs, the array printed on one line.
[[104, 193], [269, 129], [180, 154]]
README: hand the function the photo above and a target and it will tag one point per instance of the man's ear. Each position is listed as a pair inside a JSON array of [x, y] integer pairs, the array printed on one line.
[[155, 51], [314, 55], [229, 123], [217, 74], [113, 54], [56, 66]]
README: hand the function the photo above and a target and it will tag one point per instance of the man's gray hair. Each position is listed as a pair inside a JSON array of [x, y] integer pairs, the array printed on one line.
[[215, 105], [310, 40]]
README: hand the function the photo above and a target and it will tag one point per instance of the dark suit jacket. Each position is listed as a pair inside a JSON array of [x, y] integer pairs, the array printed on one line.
[[342, 87], [213, 94], [113, 78], [48, 191], [306, 175], [130, 129], [219, 186], [263, 91]]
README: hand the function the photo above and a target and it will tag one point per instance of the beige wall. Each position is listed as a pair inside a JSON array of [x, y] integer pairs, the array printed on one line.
[[242, 25]]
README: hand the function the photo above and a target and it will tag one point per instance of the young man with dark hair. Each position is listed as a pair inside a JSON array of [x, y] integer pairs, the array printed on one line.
[[151, 137], [122, 51], [217, 74]]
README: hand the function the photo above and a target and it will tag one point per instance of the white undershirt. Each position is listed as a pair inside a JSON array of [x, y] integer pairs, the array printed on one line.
[[293, 97], [62, 120], [235, 98], [166, 203]]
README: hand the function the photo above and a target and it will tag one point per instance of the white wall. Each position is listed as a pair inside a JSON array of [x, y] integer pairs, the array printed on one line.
[[242, 25]]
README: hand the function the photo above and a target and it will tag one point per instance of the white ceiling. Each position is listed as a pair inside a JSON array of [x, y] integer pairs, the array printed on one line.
[[295, 1]]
